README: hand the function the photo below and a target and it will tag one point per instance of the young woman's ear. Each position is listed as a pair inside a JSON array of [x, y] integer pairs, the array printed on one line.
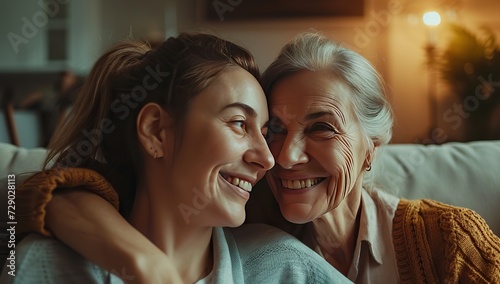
[[152, 123]]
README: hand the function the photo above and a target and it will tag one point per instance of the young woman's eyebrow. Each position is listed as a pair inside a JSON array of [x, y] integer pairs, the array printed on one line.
[[246, 108]]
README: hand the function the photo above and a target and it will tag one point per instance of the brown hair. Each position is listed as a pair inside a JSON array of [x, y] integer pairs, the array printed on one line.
[[101, 130]]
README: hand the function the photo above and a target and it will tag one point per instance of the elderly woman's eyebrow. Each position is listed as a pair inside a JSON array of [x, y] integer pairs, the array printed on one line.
[[318, 114], [336, 113], [248, 109]]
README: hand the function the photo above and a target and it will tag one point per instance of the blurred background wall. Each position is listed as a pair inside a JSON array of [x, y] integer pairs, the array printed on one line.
[[390, 33]]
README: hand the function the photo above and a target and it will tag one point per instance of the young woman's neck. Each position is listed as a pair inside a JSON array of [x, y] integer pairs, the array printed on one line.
[[189, 246]]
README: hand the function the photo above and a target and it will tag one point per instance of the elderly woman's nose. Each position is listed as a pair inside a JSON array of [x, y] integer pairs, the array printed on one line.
[[292, 152]]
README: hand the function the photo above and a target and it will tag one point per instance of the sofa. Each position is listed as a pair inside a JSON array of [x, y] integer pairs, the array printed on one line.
[[462, 174]]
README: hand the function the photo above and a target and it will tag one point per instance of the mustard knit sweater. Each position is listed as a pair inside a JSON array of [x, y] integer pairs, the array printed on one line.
[[434, 242], [439, 243]]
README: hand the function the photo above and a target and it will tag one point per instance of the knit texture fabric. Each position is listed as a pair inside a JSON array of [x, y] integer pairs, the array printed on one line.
[[34, 194], [439, 243]]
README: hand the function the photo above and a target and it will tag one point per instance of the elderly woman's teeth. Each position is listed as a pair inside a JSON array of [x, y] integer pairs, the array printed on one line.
[[245, 185], [298, 184]]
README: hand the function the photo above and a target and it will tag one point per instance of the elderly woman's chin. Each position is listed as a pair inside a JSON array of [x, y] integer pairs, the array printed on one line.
[[298, 213]]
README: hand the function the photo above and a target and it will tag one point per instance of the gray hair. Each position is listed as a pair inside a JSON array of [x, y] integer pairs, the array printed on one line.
[[314, 52]]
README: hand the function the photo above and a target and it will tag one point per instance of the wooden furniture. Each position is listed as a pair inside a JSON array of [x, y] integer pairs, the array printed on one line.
[[8, 110]]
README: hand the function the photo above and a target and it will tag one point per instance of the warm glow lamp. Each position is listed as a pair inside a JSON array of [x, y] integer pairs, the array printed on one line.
[[431, 18]]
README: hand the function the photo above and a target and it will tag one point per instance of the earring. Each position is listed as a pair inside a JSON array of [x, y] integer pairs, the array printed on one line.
[[369, 168], [155, 155]]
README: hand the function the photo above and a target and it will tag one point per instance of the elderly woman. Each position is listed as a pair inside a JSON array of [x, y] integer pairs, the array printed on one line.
[[328, 117]]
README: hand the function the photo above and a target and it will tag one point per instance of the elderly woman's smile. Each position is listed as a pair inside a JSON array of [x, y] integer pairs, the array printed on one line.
[[300, 183]]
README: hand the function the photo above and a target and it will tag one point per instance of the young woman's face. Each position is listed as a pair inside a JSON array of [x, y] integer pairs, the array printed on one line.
[[317, 143], [223, 151]]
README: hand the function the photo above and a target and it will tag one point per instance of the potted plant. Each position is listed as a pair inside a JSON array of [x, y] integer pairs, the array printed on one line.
[[471, 65]]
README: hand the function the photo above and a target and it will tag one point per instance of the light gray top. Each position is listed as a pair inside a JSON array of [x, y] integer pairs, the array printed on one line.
[[253, 253]]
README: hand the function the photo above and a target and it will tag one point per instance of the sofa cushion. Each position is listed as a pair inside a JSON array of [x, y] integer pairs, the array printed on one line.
[[461, 174]]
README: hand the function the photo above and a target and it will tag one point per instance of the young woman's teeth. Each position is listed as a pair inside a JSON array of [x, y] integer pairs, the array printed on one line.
[[300, 183], [245, 185]]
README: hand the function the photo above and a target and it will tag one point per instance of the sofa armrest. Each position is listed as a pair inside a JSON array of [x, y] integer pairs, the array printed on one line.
[[16, 160]]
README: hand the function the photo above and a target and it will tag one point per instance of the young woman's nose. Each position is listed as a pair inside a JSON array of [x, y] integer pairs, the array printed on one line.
[[260, 154]]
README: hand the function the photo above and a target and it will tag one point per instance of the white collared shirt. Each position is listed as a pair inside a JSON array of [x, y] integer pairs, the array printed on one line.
[[374, 258]]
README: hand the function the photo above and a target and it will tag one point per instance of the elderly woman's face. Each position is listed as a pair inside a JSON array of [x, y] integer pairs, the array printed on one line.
[[317, 143]]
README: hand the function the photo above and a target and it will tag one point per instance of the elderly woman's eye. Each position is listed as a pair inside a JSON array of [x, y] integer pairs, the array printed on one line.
[[321, 126], [276, 126], [274, 130]]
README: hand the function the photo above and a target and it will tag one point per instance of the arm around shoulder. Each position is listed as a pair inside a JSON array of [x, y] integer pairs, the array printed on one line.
[[35, 194], [85, 217]]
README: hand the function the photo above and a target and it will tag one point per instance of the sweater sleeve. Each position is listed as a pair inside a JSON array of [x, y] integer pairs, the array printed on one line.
[[35, 193], [435, 242]]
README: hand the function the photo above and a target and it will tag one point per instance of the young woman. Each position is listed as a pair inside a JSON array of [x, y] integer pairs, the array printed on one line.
[[180, 131]]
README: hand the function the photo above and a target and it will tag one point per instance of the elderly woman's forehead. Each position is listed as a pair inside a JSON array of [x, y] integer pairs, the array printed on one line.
[[313, 97]]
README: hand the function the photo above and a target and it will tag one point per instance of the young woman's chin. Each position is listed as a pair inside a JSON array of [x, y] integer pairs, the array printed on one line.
[[234, 221]]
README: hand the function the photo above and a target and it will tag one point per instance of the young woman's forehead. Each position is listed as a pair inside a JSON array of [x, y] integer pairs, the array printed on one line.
[[235, 86]]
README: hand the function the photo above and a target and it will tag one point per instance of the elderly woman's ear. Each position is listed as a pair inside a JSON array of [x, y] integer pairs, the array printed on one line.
[[370, 154], [154, 127]]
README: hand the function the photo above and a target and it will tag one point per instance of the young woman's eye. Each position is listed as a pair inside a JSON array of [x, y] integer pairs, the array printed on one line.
[[265, 132], [239, 124]]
